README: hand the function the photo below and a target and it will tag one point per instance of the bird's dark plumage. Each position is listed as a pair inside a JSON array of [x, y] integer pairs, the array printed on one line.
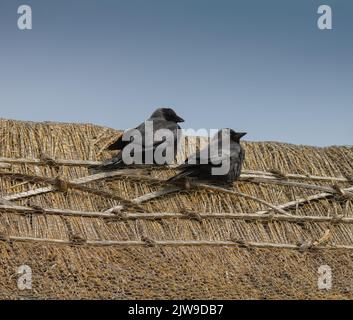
[[162, 118], [199, 166]]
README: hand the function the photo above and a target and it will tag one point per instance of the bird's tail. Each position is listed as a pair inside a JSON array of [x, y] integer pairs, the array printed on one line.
[[108, 165], [180, 175]]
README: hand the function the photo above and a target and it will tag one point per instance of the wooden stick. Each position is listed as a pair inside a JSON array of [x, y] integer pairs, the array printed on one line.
[[295, 176], [62, 185], [147, 197], [304, 200], [173, 243], [49, 211], [70, 163], [14, 209], [241, 194], [5, 166], [78, 181], [6, 202], [29, 193], [87, 163], [270, 180], [155, 194]]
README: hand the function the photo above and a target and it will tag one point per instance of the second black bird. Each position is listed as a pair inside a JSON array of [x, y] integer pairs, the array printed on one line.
[[199, 166]]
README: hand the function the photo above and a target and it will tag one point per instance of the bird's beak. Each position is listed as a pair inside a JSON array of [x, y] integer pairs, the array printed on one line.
[[241, 134], [178, 119]]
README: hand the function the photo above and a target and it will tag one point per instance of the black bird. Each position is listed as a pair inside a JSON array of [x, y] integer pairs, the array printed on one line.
[[162, 118], [199, 166]]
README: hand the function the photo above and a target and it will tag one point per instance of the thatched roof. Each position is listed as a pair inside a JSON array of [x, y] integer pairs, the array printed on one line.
[[291, 212]]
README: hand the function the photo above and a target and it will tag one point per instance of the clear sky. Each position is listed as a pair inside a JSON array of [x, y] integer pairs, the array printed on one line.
[[258, 66]]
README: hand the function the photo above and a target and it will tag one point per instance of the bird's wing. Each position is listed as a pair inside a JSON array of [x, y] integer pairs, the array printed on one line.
[[108, 165], [236, 160], [161, 124], [240, 157], [208, 155], [119, 144]]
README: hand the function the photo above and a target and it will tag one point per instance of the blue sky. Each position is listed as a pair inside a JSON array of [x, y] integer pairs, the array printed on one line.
[[257, 66]]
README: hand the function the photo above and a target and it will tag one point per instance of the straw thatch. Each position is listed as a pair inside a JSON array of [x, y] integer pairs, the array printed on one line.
[[112, 237]]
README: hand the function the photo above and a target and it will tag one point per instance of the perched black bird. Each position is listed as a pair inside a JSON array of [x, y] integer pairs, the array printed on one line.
[[200, 164], [162, 118]]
